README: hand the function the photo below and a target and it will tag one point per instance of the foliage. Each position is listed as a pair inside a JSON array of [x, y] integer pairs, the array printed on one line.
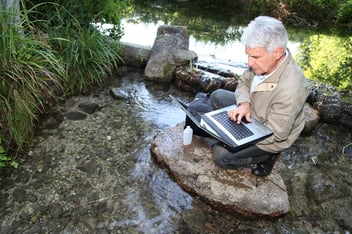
[[28, 69], [85, 12], [4, 159], [88, 59], [86, 54], [208, 21], [344, 15], [312, 12], [309, 13], [327, 59]]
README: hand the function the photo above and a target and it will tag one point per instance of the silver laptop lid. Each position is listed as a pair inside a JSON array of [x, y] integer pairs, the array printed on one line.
[[242, 133]]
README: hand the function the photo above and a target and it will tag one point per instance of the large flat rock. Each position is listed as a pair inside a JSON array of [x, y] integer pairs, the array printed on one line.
[[233, 191]]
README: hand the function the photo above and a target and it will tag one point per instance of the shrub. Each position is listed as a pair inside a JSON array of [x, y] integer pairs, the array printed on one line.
[[327, 59], [344, 15], [85, 12]]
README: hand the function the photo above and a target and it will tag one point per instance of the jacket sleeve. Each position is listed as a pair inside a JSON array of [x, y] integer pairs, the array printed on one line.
[[243, 88]]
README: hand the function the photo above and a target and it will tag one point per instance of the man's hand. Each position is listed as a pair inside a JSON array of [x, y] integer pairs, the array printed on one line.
[[243, 110]]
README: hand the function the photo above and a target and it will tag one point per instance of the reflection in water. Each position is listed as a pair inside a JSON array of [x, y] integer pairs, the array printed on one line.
[[232, 51]]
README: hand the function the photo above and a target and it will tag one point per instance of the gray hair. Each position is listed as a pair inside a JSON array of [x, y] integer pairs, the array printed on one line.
[[266, 32]]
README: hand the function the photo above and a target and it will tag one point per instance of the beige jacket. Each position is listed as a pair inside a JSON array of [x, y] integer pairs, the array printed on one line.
[[278, 103]]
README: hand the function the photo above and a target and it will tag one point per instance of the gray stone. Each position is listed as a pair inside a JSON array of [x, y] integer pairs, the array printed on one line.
[[19, 195], [312, 118], [169, 50], [119, 93], [88, 107], [234, 191], [333, 105], [55, 210], [75, 115], [135, 55], [184, 56]]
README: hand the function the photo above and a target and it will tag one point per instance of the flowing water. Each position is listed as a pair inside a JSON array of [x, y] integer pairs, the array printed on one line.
[[96, 174]]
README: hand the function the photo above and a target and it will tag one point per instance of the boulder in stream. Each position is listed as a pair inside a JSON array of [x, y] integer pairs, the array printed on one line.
[[233, 191], [170, 49]]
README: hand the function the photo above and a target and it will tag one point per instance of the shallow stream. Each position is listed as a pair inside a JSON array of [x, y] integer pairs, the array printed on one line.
[[96, 175]]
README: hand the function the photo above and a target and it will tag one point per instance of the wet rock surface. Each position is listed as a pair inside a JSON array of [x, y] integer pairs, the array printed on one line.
[[334, 106], [96, 175], [233, 191]]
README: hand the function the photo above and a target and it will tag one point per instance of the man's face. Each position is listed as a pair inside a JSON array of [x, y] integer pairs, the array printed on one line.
[[262, 62]]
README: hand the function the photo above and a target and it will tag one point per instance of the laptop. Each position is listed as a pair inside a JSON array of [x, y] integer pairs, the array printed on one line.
[[217, 124]]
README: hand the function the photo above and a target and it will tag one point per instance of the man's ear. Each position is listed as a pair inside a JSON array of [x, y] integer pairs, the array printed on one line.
[[279, 52]]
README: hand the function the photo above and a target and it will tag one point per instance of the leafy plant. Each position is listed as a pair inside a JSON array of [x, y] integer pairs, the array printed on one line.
[[4, 159], [85, 13], [344, 15], [3, 156], [28, 70], [327, 59]]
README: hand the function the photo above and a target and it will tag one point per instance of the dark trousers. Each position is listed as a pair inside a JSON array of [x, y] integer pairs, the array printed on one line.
[[222, 156]]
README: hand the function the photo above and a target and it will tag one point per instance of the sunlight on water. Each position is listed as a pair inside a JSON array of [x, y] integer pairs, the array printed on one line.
[[233, 52], [205, 50]]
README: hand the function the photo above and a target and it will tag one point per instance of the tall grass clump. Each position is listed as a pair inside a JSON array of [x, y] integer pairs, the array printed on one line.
[[29, 69], [89, 59], [87, 55]]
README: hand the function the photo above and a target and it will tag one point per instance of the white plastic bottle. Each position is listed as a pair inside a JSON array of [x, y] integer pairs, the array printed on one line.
[[187, 135]]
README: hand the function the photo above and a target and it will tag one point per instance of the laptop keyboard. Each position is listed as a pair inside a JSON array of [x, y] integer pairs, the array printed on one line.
[[239, 131]]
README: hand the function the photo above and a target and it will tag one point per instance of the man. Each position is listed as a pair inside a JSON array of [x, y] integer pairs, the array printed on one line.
[[273, 90]]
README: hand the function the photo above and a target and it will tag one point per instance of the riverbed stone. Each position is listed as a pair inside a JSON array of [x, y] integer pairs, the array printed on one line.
[[333, 105], [88, 107], [119, 93], [75, 115], [233, 191]]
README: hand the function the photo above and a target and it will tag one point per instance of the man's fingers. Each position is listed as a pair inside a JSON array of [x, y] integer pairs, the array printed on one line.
[[235, 116], [248, 118], [232, 114], [239, 118]]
